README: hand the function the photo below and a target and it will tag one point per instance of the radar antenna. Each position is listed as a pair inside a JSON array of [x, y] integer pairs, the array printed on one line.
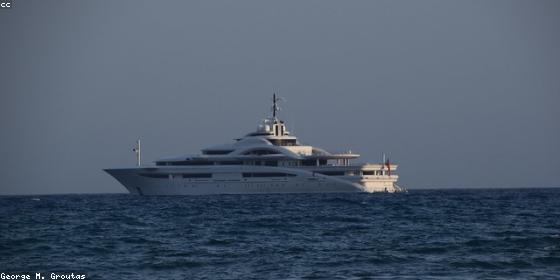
[[275, 107]]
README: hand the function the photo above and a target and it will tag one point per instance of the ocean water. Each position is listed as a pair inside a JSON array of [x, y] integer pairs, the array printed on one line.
[[425, 234]]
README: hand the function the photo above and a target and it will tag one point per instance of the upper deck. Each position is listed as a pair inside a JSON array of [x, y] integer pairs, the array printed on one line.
[[270, 145]]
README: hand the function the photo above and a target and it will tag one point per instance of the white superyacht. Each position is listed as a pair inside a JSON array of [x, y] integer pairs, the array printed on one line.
[[269, 160]]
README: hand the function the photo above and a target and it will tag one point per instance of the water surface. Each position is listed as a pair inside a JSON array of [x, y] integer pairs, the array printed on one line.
[[428, 234]]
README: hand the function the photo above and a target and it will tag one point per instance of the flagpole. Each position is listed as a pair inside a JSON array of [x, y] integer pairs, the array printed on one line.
[[137, 152], [139, 159]]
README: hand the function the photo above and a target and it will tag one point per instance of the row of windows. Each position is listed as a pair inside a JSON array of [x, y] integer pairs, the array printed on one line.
[[313, 162], [209, 175], [267, 174], [259, 134], [252, 152], [185, 175], [235, 162], [184, 162], [283, 142], [205, 163], [217, 152], [271, 174], [351, 173], [373, 172], [307, 162], [261, 152], [332, 173], [260, 174]]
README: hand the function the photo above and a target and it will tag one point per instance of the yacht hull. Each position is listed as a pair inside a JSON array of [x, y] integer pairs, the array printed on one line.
[[170, 180]]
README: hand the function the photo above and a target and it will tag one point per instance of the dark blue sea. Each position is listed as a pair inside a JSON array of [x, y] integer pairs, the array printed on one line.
[[424, 234]]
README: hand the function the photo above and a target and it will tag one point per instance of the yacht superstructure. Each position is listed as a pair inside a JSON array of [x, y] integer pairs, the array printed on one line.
[[269, 160]]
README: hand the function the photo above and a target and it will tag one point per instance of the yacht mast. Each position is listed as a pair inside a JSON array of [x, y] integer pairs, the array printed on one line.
[[274, 105]]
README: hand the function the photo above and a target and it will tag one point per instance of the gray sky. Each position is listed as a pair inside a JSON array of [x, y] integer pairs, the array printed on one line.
[[459, 93]]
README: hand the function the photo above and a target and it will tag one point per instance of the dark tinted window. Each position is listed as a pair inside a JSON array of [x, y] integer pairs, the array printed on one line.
[[309, 162], [230, 162], [189, 162], [217, 152], [261, 152], [283, 142], [332, 173], [259, 134], [369, 172], [267, 174]]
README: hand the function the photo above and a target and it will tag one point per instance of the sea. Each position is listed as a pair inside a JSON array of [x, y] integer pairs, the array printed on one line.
[[422, 234]]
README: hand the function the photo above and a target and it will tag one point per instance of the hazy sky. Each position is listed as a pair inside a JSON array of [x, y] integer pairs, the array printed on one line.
[[458, 93]]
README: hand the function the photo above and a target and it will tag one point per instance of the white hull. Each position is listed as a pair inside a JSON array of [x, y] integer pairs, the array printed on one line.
[[228, 180]]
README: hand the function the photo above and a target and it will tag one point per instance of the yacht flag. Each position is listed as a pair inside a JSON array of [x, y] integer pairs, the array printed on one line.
[[388, 164]]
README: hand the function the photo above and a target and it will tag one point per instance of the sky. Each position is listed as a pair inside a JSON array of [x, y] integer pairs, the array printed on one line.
[[458, 93]]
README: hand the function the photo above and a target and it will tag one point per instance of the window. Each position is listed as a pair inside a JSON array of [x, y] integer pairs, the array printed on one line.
[[283, 142], [267, 174], [261, 152], [309, 162], [367, 173], [189, 162], [271, 163], [236, 162], [216, 152]]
